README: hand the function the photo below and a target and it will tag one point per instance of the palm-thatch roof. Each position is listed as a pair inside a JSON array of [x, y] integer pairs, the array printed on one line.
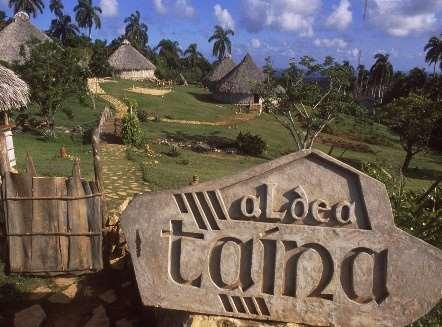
[[19, 33], [241, 79], [127, 58], [221, 69], [14, 92]]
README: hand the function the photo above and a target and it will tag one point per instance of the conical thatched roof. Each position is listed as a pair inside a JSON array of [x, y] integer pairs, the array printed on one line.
[[14, 93], [127, 58], [20, 32], [221, 69], [242, 78]]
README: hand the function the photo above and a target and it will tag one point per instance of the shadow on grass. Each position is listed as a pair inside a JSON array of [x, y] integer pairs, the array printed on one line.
[[207, 98], [219, 142], [423, 173]]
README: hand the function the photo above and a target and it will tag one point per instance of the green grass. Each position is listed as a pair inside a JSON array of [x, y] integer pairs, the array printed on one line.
[[194, 103], [46, 153], [184, 103]]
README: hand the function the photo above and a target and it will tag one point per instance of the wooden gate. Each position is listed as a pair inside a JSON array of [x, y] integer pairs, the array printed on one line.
[[53, 225]]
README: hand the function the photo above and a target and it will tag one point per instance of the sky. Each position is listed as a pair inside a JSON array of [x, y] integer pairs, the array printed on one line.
[[282, 29]]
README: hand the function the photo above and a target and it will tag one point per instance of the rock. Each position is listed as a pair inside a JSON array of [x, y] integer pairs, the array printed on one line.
[[88, 291], [65, 281], [39, 293], [123, 323], [303, 238], [65, 296], [99, 318], [118, 263], [31, 317], [108, 296]]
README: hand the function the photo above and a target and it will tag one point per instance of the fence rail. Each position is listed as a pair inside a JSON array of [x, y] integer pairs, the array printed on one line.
[[53, 225]]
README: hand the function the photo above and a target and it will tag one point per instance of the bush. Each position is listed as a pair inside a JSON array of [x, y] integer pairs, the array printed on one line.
[[142, 115], [131, 131], [174, 151], [252, 145]]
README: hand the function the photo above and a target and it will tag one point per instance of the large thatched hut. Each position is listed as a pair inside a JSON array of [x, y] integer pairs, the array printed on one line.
[[237, 87], [19, 34], [220, 70], [128, 63], [14, 94]]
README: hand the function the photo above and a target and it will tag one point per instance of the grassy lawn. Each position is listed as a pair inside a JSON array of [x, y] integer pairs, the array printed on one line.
[[46, 152], [184, 103], [170, 172]]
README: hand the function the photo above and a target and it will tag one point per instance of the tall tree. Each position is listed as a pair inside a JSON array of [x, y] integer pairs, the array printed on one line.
[[193, 55], [63, 29], [56, 6], [170, 51], [87, 15], [222, 45], [413, 118], [136, 31], [434, 52], [268, 68], [31, 7], [53, 74], [380, 75], [362, 79]]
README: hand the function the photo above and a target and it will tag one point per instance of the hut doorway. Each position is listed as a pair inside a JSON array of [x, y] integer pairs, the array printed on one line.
[[256, 99]]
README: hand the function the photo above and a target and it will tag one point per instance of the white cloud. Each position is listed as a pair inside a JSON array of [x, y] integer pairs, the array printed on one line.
[[181, 8], [331, 43], [341, 17], [109, 7], [159, 6], [224, 17], [402, 18], [283, 15], [184, 9], [255, 43]]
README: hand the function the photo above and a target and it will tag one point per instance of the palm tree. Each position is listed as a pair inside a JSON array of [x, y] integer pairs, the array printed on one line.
[[434, 52], [362, 79], [380, 74], [63, 29], [192, 54], [87, 15], [222, 43], [28, 6], [170, 51], [136, 31], [56, 6]]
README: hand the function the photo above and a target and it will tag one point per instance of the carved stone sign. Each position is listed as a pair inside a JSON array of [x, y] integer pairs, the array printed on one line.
[[303, 239]]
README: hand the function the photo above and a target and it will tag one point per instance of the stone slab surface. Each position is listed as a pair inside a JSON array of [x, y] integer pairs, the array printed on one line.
[[303, 239]]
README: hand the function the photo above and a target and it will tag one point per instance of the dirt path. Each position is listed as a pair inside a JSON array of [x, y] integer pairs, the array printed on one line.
[[95, 88], [155, 92]]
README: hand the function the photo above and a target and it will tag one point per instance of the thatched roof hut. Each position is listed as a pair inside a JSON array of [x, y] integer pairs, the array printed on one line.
[[237, 86], [19, 33], [14, 92], [128, 63], [220, 70]]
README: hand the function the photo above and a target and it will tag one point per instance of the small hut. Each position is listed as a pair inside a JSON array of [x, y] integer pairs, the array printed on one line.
[[19, 34], [237, 87], [128, 63], [220, 70], [14, 94]]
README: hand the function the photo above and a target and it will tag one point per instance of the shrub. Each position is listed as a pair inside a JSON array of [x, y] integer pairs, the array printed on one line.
[[174, 151], [131, 131], [142, 115], [249, 144]]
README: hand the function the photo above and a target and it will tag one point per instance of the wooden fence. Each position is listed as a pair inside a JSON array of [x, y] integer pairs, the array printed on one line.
[[53, 225]]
